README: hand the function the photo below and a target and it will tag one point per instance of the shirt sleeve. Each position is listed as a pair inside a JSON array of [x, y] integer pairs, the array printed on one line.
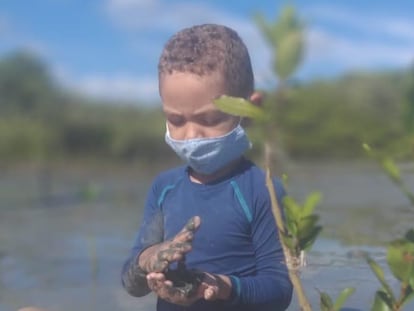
[[151, 232], [271, 284]]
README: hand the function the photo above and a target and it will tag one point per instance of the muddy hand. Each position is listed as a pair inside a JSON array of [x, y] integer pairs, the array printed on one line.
[[214, 286], [184, 280], [165, 289], [209, 287], [157, 257]]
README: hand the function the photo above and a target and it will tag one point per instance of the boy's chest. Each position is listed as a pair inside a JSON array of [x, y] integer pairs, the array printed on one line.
[[224, 226]]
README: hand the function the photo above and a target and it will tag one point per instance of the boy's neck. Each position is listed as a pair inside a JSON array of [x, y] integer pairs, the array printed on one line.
[[205, 179]]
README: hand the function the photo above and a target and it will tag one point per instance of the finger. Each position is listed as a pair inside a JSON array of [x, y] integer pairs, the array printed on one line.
[[155, 276], [211, 293], [154, 285], [181, 247], [158, 284], [187, 233], [174, 252], [173, 292], [168, 283], [192, 224], [167, 291], [160, 264]]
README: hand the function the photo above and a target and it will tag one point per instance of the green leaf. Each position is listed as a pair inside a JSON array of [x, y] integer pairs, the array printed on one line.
[[372, 153], [391, 169], [266, 29], [290, 214], [379, 303], [326, 302], [386, 298], [342, 298], [289, 54], [285, 180], [307, 242], [286, 23], [379, 273], [366, 147], [239, 107], [292, 227], [306, 225], [292, 207], [311, 201], [400, 258], [288, 241]]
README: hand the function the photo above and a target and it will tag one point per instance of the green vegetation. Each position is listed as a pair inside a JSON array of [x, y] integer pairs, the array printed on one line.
[[400, 252], [364, 105], [319, 119], [299, 230], [39, 120], [332, 119]]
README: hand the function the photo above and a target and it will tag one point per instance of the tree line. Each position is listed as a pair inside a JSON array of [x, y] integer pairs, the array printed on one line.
[[322, 118]]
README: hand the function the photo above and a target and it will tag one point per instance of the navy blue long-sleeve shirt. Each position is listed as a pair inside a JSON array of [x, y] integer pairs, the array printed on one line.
[[237, 237]]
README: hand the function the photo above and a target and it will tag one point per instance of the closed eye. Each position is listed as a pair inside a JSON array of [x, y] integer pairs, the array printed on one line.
[[212, 119], [175, 120]]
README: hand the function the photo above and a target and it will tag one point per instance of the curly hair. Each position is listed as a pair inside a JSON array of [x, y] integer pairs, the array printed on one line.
[[206, 49]]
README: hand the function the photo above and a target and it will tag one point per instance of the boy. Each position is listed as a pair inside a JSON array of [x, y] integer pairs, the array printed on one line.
[[214, 214]]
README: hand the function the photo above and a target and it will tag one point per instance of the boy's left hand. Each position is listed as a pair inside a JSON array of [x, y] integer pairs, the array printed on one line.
[[212, 287]]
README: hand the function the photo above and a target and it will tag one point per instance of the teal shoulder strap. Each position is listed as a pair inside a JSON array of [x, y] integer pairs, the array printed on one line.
[[242, 201]]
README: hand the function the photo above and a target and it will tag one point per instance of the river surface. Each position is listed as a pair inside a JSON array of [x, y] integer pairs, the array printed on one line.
[[64, 235]]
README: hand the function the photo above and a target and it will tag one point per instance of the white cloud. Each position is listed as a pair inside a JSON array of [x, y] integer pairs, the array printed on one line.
[[156, 16], [338, 40], [122, 87], [346, 40], [374, 24], [162, 17], [328, 50], [140, 90], [403, 29], [325, 46]]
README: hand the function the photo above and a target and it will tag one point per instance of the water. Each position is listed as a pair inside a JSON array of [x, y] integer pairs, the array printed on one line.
[[65, 253]]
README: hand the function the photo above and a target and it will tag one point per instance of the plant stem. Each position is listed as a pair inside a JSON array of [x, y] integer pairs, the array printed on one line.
[[292, 268]]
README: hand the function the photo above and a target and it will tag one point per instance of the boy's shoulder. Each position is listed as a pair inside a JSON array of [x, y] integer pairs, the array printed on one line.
[[257, 173], [170, 176], [254, 179]]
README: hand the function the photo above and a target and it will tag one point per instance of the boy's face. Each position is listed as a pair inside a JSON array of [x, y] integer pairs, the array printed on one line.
[[187, 101]]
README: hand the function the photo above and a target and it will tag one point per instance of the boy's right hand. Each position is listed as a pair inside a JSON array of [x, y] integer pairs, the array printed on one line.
[[157, 257]]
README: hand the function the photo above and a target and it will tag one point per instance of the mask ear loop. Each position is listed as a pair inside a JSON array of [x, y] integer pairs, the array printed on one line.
[[167, 130], [240, 124]]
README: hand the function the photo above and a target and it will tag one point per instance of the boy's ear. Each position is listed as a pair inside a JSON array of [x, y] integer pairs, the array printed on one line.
[[256, 98]]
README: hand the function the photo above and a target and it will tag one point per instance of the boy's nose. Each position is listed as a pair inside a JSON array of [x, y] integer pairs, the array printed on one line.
[[193, 131]]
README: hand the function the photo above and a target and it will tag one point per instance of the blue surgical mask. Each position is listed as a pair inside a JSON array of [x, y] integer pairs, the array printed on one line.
[[207, 155]]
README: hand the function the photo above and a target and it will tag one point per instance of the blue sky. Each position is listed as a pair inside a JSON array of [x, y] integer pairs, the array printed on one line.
[[110, 48]]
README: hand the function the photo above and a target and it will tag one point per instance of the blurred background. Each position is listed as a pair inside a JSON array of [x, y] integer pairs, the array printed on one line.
[[82, 136]]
